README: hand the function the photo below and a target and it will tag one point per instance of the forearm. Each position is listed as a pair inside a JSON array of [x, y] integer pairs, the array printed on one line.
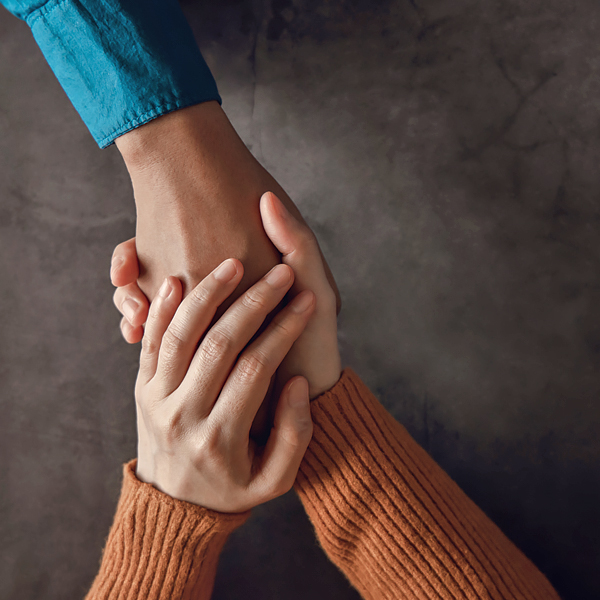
[[392, 520], [194, 156], [160, 547]]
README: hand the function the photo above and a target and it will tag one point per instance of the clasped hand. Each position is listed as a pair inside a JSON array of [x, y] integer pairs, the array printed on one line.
[[199, 389]]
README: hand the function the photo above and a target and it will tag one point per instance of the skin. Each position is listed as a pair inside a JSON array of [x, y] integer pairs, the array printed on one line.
[[197, 189], [315, 355], [196, 406], [199, 387]]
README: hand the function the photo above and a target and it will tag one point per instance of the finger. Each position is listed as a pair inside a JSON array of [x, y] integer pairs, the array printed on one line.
[[161, 313], [125, 267], [287, 444], [292, 209], [247, 385], [225, 340], [132, 335], [192, 319], [132, 303], [299, 248]]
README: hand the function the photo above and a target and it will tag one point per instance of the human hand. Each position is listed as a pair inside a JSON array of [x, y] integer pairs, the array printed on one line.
[[196, 189], [315, 354], [196, 404]]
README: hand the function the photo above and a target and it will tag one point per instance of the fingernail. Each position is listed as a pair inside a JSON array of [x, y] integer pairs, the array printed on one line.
[[129, 309], [165, 288], [278, 276], [298, 393], [302, 303], [225, 271]]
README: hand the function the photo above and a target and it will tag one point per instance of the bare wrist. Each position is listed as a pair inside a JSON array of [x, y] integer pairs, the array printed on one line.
[[154, 142]]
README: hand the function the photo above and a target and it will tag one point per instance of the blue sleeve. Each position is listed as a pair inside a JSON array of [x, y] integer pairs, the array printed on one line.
[[122, 63]]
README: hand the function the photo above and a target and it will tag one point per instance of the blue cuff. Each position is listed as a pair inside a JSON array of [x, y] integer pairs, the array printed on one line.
[[122, 63]]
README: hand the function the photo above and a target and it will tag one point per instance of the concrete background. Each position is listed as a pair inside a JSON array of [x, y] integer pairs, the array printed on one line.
[[446, 154]]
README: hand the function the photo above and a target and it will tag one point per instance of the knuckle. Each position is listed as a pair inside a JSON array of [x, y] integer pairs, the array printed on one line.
[[173, 428], [300, 434], [210, 448], [253, 366], [149, 345], [284, 327], [254, 301], [216, 344], [304, 427], [173, 340], [200, 296]]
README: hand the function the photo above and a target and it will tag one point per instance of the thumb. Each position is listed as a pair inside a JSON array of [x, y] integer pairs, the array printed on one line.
[[285, 231], [289, 439]]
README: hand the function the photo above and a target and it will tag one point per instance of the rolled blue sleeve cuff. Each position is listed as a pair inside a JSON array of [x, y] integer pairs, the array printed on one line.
[[122, 63]]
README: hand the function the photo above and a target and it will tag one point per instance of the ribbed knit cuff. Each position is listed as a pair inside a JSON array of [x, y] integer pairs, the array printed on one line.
[[392, 520], [160, 547]]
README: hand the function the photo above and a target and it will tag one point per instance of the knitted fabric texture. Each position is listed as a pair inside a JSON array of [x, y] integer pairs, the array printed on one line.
[[385, 513]]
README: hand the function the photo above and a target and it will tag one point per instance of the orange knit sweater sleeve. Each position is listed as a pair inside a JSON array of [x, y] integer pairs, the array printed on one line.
[[160, 548], [392, 520]]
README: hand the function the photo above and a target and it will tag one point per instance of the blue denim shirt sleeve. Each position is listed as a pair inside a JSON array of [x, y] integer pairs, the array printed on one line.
[[122, 63]]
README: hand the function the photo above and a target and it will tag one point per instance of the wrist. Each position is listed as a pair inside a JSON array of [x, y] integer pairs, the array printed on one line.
[[151, 143]]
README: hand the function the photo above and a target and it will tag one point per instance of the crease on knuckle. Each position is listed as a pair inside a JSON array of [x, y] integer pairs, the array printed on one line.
[[201, 296], [215, 345], [171, 345], [283, 327], [253, 301], [253, 366]]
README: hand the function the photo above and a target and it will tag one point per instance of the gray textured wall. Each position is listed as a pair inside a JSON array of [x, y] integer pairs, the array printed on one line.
[[446, 154]]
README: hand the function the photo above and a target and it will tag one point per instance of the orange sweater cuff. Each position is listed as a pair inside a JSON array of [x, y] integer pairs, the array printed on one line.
[[160, 547]]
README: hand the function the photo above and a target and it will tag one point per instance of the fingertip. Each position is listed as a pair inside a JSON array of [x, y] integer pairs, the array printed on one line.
[[124, 264]]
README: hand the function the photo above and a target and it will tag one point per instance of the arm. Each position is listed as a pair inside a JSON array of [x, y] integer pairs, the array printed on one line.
[[392, 520], [385, 513], [159, 546], [195, 407], [133, 71]]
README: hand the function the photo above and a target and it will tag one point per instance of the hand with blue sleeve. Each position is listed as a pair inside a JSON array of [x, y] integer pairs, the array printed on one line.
[[134, 72]]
